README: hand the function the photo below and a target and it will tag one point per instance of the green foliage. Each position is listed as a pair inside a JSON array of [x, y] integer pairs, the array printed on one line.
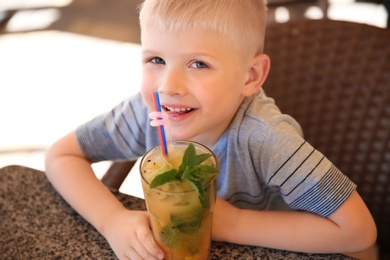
[[189, 222], [169, 236], [191, 170], [167, 176]]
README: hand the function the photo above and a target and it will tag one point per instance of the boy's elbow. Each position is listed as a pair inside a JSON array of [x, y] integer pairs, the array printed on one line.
[[364, 246], [368, 230], [66, 146], [368, 236], [50, 158], [357, 223], [365, 235], [51, 154]]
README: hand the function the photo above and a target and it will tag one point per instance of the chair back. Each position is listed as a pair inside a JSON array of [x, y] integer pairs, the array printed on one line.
[[333, 77]]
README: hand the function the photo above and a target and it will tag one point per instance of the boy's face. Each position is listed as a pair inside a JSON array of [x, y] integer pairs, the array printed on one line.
[[200, 77]]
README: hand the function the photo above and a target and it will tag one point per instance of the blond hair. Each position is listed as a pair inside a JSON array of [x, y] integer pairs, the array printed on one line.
[[242, 21]]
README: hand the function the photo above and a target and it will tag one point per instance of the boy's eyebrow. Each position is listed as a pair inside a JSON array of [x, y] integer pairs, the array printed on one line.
[[147, 51], [189, 54]]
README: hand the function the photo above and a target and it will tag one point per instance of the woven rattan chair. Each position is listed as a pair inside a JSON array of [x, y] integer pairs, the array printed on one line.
[[334, 78]]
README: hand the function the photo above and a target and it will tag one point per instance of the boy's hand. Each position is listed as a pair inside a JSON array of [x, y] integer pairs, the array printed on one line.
[[130, 237], [224, 220]]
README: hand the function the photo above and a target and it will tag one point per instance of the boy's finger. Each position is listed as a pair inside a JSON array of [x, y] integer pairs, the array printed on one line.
[[147, 247]]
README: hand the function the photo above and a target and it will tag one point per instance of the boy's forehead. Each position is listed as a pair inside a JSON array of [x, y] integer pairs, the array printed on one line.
[[154, 36]]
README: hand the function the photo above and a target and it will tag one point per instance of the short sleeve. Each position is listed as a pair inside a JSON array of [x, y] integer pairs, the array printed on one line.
[[118, 134], [306, 179]]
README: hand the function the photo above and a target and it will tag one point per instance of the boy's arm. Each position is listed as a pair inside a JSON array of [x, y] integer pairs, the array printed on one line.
[[72, 176], [349, 229]]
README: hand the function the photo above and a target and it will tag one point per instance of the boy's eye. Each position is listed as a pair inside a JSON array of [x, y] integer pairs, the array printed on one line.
[[157, 60], [199, 65]]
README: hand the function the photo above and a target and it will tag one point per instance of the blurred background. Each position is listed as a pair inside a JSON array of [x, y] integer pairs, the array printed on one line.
[[63, 62]]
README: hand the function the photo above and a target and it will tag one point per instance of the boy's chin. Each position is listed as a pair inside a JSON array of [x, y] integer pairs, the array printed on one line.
[[181, 135]]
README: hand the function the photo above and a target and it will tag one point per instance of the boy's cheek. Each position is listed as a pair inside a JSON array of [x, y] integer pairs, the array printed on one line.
[[147, 97]]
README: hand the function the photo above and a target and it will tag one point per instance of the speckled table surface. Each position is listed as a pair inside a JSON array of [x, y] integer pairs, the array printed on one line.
[[36, 223]]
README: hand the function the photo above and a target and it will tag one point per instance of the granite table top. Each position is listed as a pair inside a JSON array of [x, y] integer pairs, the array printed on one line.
[[36, 223]]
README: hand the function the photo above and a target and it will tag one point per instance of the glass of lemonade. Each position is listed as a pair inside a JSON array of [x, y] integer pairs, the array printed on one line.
[[180, 197]]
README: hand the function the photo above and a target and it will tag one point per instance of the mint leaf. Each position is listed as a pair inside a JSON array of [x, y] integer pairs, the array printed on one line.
[[202, 157], [200, 172], [199, 189], [169, 236], [186, 173], [206, 204], [165, 177], [189, 158], [188, 222]]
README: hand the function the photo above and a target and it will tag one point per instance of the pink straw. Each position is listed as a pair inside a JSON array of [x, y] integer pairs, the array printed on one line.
[[161, 132]]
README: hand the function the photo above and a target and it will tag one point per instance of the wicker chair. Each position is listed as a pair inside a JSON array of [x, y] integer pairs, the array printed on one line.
[[334, 78]]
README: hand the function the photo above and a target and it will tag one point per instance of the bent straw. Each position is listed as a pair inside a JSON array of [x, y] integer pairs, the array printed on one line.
[[161, 132]]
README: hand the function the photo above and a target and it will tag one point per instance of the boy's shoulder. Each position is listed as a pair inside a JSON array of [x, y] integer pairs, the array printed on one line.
[[261, 111]]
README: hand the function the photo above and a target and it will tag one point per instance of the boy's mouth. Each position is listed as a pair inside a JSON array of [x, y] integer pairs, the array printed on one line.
[[178, 110]]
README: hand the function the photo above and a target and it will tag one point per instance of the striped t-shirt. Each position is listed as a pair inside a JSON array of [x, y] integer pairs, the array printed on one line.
[[265, 164]]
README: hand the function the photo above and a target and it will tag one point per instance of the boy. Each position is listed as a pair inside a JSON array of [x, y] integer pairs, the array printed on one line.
[[206, 60]]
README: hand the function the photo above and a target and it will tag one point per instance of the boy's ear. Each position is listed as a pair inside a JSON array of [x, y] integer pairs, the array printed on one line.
[[257, 73]]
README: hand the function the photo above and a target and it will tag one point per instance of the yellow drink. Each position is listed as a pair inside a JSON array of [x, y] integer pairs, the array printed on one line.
[[181, 221]]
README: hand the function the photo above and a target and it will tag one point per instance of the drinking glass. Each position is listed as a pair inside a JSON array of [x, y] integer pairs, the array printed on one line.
[[181, 221]]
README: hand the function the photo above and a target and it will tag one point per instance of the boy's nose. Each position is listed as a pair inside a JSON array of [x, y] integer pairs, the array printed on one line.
[[173, 84]]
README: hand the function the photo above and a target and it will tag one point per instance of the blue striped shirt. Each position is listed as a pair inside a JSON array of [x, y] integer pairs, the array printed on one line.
[[265, 163]]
